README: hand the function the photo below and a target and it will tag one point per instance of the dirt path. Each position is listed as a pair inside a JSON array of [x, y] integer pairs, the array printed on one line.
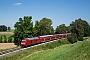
[[7, 45], [6, 33]]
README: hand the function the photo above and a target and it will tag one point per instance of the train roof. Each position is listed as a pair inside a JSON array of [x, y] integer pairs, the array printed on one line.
[[32, 38], [45, 35], [49, 35]]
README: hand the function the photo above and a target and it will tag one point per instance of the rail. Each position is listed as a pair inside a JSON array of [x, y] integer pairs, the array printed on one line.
[[3, 53]]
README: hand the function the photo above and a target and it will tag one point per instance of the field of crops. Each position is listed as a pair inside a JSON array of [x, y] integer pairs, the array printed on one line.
[[5, 46], [7, 35]]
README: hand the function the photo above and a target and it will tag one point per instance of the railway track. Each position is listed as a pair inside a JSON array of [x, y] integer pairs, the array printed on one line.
[[3, 53]]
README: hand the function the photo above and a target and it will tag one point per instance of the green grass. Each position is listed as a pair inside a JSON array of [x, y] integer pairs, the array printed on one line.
[[22, 54], [77, 51]]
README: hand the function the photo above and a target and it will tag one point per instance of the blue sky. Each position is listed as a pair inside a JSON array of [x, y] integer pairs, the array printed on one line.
[[59, 11]]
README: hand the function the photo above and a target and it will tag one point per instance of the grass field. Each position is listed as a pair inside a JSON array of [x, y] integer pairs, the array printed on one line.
[[77, 51]]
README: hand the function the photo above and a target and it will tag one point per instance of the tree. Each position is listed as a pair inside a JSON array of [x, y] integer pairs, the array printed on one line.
[[23, 29], [86, 28], [44, 27], [37, 28], [8, 28], [61, 29], [3, 28], [77, 28], [68, 29]]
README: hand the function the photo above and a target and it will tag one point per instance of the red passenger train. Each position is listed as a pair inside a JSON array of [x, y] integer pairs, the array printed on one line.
[[34, 40]]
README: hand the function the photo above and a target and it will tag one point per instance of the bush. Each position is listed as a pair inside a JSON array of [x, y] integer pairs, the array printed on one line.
[[80, 38], [72, 38], [57, 43], [63, 41]]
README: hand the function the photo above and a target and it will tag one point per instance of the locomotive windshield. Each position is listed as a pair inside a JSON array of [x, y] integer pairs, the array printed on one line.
[[23, 40]]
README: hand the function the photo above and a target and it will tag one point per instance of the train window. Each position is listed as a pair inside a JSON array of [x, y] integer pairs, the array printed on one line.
[[23, 40]]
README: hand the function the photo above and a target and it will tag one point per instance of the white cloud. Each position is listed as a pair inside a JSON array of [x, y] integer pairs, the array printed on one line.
[[17, 3]]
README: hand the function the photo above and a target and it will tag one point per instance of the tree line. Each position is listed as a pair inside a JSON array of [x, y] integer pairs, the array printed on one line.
[[79, 29], [25, 28], [4, 28]]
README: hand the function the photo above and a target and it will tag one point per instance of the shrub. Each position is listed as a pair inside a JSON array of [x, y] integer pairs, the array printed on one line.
[[63, 41], [72, 38], [57, 43], [80, 38]]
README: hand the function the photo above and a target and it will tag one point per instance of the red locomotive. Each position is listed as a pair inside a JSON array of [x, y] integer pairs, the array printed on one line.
[[30, 41]]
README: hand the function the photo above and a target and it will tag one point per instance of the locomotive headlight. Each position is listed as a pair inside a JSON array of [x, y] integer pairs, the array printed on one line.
[[22, 43]]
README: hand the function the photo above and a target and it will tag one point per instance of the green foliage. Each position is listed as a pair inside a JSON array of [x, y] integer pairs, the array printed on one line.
[[80, 38], [86, 27], [37, 28], [10, 40], [1, 39], [8, 28], [68, 29], [72, 38], [23, 29], [5, 39], [7, 36], [77, 27], [80, 27], [61, 29], [3, 28], [43, 27], [58, 43]]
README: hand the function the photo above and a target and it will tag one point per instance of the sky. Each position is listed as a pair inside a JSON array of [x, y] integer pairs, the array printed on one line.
[[59, 11]]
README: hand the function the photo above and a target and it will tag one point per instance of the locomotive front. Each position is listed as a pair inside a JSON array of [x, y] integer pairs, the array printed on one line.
[[23, 42]]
